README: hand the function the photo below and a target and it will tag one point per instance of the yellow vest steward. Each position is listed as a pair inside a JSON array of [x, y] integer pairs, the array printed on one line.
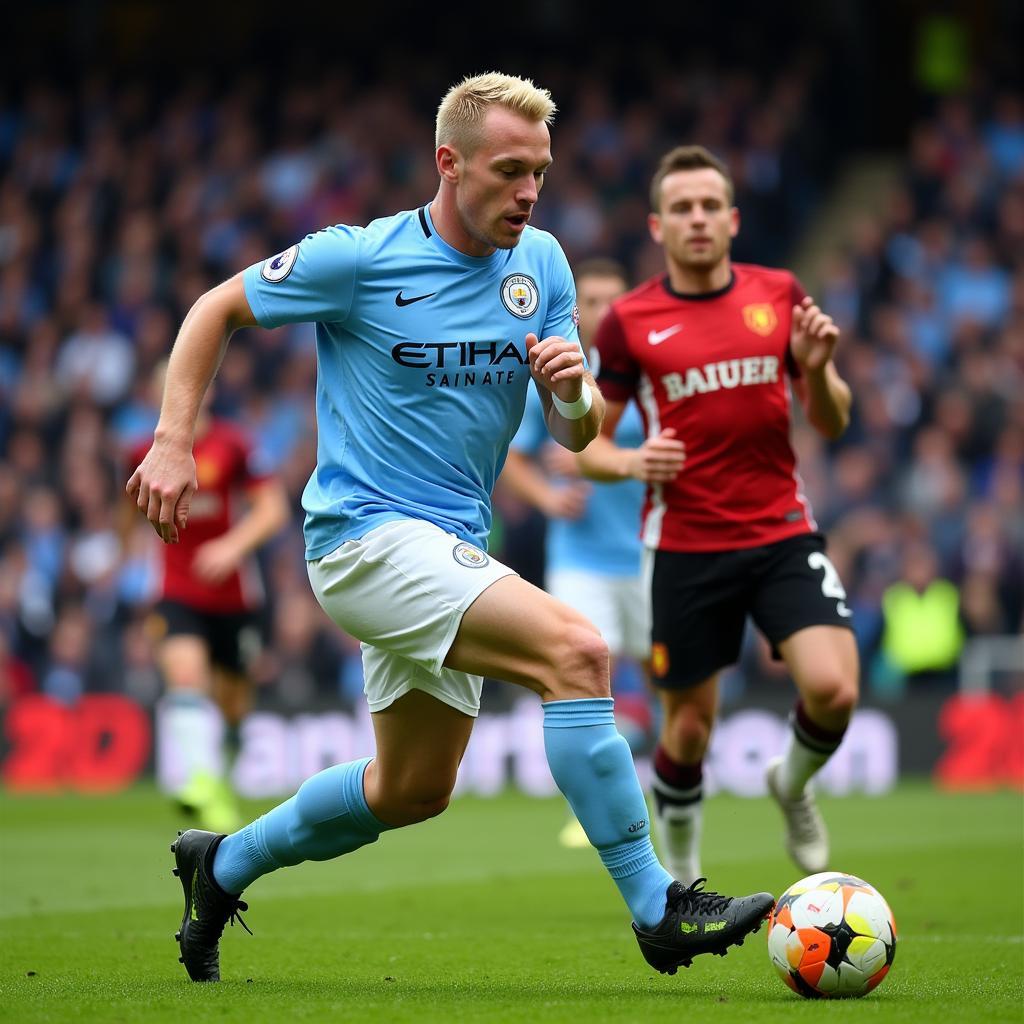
[[922, 631]]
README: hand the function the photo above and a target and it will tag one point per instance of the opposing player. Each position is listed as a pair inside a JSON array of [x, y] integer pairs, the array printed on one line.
[[592, 551], [429, 327], [707, 349], [206, 616]]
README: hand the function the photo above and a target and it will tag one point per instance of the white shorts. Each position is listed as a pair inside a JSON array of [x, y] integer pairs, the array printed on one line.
[[618, 605], [402, 590]]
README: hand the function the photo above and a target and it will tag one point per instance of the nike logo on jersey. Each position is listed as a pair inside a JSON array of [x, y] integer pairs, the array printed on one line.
[[401, 301], [657, 337]]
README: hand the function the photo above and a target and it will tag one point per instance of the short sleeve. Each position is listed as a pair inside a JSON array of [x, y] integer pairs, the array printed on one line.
[[797, 294], [617, 372], [562, 315], [533, 431], [311, 282]]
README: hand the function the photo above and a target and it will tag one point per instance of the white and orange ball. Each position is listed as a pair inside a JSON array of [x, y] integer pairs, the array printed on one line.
[[831, 936]]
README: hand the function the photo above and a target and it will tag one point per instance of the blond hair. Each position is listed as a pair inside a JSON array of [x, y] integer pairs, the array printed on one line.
[[465, 105]]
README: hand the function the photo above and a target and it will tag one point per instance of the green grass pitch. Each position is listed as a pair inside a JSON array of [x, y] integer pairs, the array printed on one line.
[[480, 916]]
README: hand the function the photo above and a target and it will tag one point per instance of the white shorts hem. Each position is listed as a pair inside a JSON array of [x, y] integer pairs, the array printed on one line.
[[382, 703], [456, 621]]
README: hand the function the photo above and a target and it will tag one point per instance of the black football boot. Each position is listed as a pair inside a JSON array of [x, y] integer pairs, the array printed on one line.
[[697, 922], [207, 906]]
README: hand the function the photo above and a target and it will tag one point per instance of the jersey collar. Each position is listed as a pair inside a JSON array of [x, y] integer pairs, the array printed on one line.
[[700, 296], [475, 262]]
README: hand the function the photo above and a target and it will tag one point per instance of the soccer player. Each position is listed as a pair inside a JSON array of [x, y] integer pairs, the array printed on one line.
[[210, 595], [706, 349], [429, 326], [593, 551]]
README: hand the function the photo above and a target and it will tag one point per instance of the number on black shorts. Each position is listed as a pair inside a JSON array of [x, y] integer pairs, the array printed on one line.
[[831, 584]]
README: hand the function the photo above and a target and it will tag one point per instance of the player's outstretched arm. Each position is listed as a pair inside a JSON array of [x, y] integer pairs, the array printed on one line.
[[164, 482], [658, 460], [573, 405], [824, 395]]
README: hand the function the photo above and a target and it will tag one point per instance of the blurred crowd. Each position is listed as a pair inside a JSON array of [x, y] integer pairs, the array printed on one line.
[[120, 204], [925, 492]]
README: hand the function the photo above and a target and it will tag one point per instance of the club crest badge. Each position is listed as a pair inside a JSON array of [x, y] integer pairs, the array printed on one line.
[[207, 472], [278, 267], [469, 556], [520, 295], [760, 317], [659, 660]]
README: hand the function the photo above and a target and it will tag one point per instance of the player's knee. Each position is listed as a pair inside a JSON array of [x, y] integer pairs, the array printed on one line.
[[411, 812], [690, 731], [844, 698], [184, 664], [432, 808], [417, 802], [579, 666], [183, 677], [836, 693]]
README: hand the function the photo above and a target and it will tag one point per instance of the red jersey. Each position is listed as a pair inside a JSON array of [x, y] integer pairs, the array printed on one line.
[[713, 367], [224, 472]]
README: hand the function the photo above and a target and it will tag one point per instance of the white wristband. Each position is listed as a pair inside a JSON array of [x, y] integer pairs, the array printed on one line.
[[574, 410]]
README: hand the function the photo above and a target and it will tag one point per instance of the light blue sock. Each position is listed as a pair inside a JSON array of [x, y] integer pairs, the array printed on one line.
[[593, 767], [327, 817]]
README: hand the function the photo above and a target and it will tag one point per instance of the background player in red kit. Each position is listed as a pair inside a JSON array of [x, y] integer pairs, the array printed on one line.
[[206, 617], [706, 349]]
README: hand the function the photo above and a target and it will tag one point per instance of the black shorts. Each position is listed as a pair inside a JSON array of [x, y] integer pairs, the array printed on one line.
[[233, 638], [701, 600]]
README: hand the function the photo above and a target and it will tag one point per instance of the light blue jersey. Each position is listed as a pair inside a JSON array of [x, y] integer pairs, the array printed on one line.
[[606, 538], [422, 368]]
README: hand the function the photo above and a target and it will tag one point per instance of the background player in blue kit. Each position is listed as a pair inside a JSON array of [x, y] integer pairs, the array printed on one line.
[[593, 551], [428, 328]]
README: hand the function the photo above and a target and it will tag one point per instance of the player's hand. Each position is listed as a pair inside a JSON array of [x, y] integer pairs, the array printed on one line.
[[557, 364], [215, 560], [813, 337], [162, 486], [558, 461], [568, 501], [659, 459]]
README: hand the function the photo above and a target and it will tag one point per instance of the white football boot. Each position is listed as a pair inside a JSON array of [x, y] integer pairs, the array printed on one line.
[[679, 842], [806, 835]]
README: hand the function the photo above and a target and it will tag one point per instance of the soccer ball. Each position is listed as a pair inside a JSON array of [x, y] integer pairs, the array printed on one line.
[[831, 936]]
